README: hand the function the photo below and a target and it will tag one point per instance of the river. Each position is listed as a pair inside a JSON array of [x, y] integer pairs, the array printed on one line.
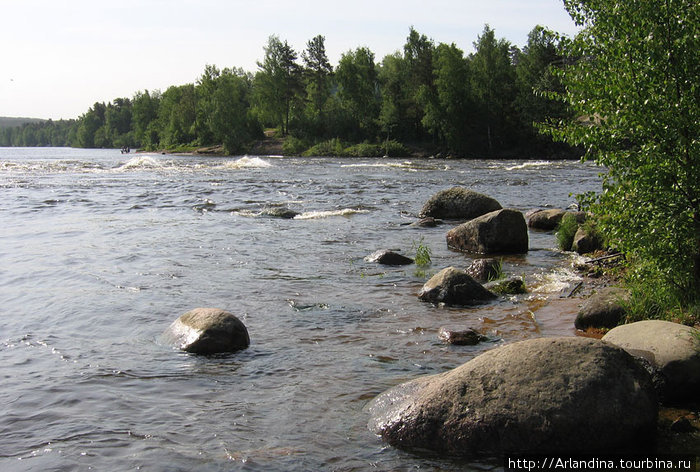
[[100, 252]]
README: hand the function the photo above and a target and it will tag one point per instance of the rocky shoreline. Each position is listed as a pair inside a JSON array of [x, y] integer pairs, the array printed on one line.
[[612, 388]]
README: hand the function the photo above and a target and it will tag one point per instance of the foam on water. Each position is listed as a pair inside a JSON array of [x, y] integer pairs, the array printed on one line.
[[316, 215], [246, 162], [529, 164], [141, 162]]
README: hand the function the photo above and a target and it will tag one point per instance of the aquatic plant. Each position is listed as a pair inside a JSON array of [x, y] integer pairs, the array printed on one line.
[[423, 253]]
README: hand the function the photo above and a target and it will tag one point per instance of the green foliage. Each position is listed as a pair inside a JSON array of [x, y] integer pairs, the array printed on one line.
[[423, 253], [634, 89], [566, 230], [425, 94], [332, 147], [498, 273], [294, 146]]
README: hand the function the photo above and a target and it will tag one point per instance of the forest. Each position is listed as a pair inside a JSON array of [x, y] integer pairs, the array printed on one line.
[[426, 96]]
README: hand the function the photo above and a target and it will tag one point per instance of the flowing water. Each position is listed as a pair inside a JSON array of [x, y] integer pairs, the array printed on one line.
[[100, 252]]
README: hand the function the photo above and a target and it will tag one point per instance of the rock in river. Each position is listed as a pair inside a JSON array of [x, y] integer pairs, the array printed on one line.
[[547, 395], [453, 286], [458, 203], [502, 231], [207, 331], [388, 257]]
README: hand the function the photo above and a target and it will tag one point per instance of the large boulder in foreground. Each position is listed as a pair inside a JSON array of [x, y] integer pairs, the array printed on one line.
[[548, 395], [207, 331], [672, 348], [453, 286], [458, 203], [499, 232]]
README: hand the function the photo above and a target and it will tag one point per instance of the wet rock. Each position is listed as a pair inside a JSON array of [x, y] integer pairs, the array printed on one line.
[[458, 203], [603, 309], [509, 286], [586, 241], [207, 331], [548, 220], [453, 286], [502, 231], [279, 212], [544, 219], [427, 222], [388, 257], [547, 395], [467, 337], [483, 270], [672, 348]]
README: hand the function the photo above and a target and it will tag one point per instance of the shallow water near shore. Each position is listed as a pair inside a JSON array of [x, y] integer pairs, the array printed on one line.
[[101, 252]]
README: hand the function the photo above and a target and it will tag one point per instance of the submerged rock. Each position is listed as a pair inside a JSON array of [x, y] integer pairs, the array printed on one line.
[[453, 286], [388, 257], [207, 331], [502, 231], [672, 348], [467, 337], [458, 203], [427, 222], [548, 395], [279, 212], [509, 286]]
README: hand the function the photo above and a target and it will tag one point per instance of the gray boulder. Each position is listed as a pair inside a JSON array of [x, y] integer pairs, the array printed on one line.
[[388, 257], [548, 395], [458, 203], [483, 270], [672, 348], [586, 241], [207, 331], [603, 309], [502, 231], [549, 219], [544, 219], [454, 287]]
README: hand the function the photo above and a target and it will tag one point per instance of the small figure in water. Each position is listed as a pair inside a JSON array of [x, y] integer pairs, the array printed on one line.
[[125, 150]]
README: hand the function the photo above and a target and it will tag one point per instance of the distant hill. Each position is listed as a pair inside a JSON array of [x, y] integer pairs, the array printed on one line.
[[7, 122]]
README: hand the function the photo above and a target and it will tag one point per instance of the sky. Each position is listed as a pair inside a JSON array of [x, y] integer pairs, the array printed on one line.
[[59, 57]]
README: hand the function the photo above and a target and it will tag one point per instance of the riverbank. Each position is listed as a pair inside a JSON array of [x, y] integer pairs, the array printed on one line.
[[273, 145]]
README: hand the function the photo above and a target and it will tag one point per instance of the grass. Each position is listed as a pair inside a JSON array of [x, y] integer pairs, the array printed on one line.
[[566, 230], [423, 253]]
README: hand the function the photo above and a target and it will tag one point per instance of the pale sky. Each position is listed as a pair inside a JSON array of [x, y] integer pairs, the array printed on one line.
[[61, 56]]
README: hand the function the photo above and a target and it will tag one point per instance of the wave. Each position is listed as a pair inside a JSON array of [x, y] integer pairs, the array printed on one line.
[[555, 281], [246, 162], [141, 162], [408, 165], [317, 215], [528, 164]]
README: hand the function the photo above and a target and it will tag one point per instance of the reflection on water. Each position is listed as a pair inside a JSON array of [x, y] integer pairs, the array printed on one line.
[[100, 253]]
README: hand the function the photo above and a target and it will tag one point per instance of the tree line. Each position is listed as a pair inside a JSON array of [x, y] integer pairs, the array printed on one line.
[[426, 95]]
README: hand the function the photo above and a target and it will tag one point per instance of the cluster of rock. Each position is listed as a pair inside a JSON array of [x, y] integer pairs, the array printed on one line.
[[584, 240], [548, 395]]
